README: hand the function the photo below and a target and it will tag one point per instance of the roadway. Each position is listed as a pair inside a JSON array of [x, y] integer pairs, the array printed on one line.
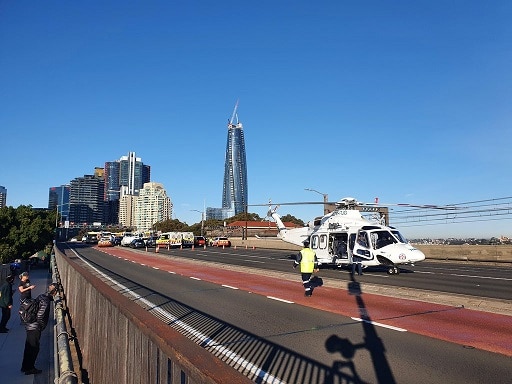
[[341, 334]]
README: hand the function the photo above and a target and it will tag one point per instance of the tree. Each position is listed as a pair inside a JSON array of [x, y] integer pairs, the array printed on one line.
[[171, 225], [24, 231], [293, 219], [244, 216]]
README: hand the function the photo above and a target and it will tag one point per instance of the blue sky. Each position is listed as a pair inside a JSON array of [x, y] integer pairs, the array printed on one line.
[[408, 101]]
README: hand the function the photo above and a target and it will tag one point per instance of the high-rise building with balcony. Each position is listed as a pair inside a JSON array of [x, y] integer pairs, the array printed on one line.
[[152, 206], [87, 205], [3, 196], [234, 188]]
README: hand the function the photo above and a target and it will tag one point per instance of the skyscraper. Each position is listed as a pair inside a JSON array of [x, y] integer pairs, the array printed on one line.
[[3, 197], [152, 206], [234, 188], [58, 199], [87, 205], [124, 176]]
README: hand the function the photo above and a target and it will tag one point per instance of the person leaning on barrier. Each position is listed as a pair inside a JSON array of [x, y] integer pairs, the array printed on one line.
[[34, 330], [308, 262], [6, 302]]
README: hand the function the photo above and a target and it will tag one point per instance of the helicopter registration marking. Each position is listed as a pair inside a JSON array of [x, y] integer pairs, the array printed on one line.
[[380, 324]]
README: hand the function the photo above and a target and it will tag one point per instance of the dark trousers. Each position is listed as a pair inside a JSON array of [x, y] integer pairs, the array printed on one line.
[[6, 315], [306, 282], [356, 265], [31, 350]]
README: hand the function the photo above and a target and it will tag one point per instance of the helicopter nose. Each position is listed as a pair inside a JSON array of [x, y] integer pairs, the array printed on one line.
[[417, 255]]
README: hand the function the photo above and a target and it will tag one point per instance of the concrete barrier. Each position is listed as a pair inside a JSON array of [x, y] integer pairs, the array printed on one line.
[[482, 253]]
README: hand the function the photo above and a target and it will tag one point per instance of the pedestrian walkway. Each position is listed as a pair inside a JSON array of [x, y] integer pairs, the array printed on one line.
[[12, 343]]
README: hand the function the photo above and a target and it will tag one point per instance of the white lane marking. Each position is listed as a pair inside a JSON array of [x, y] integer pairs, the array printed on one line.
[[195, 278], [380, 324], [461, 275], [172, 272], [207, 342], [481, 277], [229, 286], [278, 299], [156, 268]]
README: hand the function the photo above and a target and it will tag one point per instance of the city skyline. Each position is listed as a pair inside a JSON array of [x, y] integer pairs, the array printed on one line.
[[405, 102]]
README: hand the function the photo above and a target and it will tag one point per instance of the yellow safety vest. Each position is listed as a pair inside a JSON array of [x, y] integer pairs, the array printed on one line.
[[307, 264]]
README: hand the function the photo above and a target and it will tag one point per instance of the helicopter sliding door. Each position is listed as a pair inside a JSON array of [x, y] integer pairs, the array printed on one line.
[[338, 246]]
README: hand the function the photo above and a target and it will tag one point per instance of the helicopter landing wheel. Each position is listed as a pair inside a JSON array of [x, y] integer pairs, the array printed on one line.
[[393, 271], [397, 271]]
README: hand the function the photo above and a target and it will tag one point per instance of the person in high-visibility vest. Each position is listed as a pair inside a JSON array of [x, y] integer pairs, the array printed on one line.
[[308, 262]]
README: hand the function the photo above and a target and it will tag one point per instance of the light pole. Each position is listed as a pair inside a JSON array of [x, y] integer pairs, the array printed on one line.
[[326, 198], [202, 220]]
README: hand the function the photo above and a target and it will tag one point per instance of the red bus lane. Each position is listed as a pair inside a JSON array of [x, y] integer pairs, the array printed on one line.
[[475, 329]]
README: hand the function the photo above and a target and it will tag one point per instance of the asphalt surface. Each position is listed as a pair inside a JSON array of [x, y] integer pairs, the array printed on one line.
[[345, 329]]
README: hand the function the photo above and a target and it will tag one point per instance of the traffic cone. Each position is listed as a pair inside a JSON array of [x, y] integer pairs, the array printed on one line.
[[193, 247], [157, 249]]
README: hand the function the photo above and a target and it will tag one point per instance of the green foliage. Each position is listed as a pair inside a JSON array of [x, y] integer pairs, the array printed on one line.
[[24, 231], [244, 216], [292, 219], [173, 225]]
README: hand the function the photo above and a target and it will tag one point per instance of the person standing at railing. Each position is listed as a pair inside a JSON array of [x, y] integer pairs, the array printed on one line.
[[34, 329], [6, 293]]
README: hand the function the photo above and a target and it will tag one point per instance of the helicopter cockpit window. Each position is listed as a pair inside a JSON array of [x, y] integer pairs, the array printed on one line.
[[399, 236], [382, 238]]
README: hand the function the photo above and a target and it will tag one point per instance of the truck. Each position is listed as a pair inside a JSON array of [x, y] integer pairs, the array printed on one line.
[[175, 239]]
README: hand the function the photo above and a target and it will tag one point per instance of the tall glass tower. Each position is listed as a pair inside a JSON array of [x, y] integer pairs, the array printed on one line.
[[58, 199], [234, 190], [125, 176]]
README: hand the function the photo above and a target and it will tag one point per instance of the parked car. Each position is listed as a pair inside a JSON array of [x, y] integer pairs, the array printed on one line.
[[105, 242], [117, 240], [151, 241], [138, 243], [221, 242], [199, 241]]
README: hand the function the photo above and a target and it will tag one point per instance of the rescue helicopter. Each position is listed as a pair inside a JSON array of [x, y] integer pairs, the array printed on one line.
[[339, 235]]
